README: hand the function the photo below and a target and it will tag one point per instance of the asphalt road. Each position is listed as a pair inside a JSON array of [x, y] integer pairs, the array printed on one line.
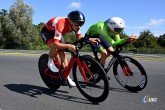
[[21, 88]]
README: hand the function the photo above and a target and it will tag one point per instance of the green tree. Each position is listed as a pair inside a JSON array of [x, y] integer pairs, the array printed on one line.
[[123, 34], [39, 27], [161, 40], [18, 30], [146, 40], [41, 44], [3, 12]]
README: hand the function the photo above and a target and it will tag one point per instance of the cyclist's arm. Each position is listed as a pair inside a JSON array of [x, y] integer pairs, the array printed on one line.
[[58, 36], [59, 45], [116, 40]]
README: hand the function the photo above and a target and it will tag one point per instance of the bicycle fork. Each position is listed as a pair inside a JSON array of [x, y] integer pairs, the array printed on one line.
[[125, 67], [82, 65]]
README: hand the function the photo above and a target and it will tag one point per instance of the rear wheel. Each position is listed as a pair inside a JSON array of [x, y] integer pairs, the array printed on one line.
[[93, 90], [42, 65], [130, 74]]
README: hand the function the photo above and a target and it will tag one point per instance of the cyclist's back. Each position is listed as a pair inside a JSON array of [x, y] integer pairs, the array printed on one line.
[[59, 26]]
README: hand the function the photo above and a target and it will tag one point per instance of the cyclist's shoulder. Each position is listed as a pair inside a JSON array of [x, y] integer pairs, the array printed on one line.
[[61, 20], [58, 19], [98, 26]]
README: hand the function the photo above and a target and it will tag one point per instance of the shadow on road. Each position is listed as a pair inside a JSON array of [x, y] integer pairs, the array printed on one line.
[[120, 90], [34, 91]]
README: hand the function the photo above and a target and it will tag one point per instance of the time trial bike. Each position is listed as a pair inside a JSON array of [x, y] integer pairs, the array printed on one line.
[[129, 73], [84, 77]]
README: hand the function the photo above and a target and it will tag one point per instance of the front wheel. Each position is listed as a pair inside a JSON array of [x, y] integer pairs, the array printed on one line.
[[42, 65], [130, 74], [93, 90]]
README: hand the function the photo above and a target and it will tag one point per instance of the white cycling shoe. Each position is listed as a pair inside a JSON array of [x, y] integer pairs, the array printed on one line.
[[71, 82], [53, 68], [51, 65]]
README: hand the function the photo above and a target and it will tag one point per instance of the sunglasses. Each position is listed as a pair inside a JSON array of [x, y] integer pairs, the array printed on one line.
[[76, 25], [118, 30]]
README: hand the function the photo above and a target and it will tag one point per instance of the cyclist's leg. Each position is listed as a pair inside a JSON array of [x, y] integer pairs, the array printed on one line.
[[48, 39], [104, 50], [103, 57], [62, 56], [64, 63], [100, 48], [94, 47]]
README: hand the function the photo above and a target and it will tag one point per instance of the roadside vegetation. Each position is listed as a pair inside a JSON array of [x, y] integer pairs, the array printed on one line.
[[18, 32]]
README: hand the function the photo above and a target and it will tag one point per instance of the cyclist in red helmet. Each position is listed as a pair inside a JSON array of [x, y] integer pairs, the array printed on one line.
[[52, 34]]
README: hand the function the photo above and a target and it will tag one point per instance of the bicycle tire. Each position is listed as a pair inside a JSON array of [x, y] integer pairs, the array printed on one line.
[[91, 85], [134, 84], [42, 65]]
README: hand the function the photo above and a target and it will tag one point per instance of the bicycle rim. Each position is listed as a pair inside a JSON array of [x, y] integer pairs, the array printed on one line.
[[91, 89], [135, 79]]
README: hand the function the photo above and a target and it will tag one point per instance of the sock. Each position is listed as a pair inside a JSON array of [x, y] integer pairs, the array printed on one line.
[[52, 66]]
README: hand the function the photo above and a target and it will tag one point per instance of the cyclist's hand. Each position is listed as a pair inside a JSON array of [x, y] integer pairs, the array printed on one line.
[[131, 38], [94, 40], [72, 48]]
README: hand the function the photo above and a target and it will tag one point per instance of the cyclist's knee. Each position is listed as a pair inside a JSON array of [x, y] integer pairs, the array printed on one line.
[[110, 50], [104, 53], [53, 52]]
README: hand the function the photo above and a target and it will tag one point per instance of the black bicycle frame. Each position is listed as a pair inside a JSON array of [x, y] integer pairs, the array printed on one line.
[[115, 56], [112, 61]]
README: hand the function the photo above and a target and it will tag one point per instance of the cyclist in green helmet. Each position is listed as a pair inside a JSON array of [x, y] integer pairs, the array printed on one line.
[[108, 32]]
